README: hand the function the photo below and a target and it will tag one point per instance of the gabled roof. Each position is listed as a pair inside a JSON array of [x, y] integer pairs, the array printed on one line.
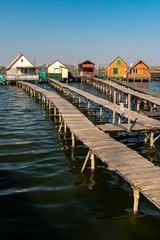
[[86, 61], [16, 59], [137, 63], [59, 62], [116, 59]]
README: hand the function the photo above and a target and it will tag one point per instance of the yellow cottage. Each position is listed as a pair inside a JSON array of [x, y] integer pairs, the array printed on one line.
[[116, 69], [57, 70]]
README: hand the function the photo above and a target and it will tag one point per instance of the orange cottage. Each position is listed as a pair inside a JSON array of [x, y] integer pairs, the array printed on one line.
[[117, 69], [139, 70]]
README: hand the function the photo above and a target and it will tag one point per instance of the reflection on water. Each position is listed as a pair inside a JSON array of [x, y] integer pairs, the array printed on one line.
[[153, 85], [42, 193]]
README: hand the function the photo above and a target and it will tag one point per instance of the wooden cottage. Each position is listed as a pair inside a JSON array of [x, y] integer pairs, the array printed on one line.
[[139, 70], [57, 70], [116, 69], [21, 69], [86, 68]]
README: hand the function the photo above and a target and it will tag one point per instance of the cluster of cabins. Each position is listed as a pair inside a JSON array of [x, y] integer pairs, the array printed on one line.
[[22, 69], [118, 69]]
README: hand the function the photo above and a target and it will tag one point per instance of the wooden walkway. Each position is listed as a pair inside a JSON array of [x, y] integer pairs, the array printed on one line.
[[138, 88], [126, 88], [143, 175], [134, 116]]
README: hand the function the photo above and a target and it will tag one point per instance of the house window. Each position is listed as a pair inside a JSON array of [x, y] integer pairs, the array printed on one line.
[[115, 70], [135, 70], [21, 60], [56, 70], [118, 61]]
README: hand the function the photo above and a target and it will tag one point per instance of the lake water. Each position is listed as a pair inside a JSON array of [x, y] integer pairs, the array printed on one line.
[[42, 194]]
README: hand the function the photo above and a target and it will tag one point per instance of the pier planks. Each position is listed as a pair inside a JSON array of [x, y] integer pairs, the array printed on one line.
[[134, 168]]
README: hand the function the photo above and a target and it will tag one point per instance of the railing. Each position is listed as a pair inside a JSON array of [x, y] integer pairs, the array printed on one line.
[[34, 76]]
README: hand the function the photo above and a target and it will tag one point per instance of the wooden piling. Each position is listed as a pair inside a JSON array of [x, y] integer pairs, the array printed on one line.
[[136, 200]]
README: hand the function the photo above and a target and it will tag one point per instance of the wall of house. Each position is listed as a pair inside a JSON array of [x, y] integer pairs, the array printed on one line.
[[61, 67], [110, 72], [120, 66], [19, 63], [64, 73], [141, 69], [55, 65]]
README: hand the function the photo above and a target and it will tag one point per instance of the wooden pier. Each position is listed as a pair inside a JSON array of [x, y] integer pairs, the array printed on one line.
[[139, 93], [134, 87], [143, 175], [134, 118]]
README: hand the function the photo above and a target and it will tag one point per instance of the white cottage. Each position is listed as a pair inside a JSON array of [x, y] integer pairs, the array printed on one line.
[[21, 69], [57, 70]]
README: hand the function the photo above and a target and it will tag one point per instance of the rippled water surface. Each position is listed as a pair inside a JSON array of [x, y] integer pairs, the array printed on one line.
[[42, 194]]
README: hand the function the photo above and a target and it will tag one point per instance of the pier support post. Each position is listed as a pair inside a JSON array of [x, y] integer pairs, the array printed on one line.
[[129, 111], [114, 113], [65, 127], [60, 127], [88, 104], [107, 90], [138, 102], [120, 96], [155, 107], [73, 140], [136, 200], [92, 162], [85, 162], [55, 111], [151, 139], [60, 117], [100, 111]]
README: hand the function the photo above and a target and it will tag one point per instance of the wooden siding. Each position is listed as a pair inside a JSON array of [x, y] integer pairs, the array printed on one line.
[[139, 70], [86, 68], [118, 68]]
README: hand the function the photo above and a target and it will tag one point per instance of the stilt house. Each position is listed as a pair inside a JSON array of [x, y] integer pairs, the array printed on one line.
[[116, 69], [86, 68], [57, 70], [139, 70], [21, 69]]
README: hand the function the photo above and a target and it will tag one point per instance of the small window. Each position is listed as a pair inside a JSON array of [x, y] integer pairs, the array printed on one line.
[[118, 61], [56, 70], [135, 70], [21, 60]]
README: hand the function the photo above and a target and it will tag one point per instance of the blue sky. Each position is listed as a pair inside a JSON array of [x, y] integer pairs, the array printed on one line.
[[73, 31]]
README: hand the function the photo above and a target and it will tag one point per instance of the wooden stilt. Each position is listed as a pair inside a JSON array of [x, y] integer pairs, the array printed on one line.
[[129, 112], [136, 200], [100, 112], [120, 96], [85, 162], [55, 111], [88, 104], [151, 139], [60, 127], [92, 162], [73, 140], [138, 103], [65, 127], [60, 117], [114, 113]]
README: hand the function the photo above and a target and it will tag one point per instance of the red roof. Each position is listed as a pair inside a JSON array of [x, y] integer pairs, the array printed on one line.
[[85, 62]]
